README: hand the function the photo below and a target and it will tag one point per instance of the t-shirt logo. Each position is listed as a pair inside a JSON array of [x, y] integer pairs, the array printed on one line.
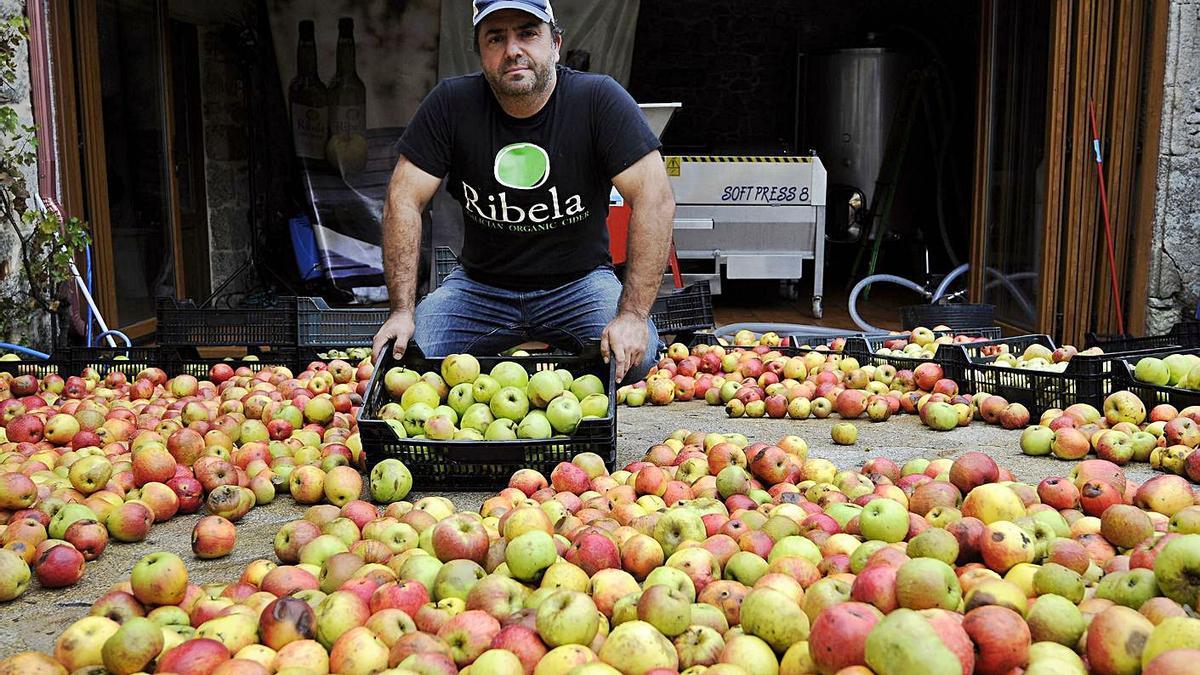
[[522, 166]]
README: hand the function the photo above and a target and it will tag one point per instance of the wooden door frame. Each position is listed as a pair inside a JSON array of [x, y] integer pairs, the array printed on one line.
[[1070, 205], [83, 168]]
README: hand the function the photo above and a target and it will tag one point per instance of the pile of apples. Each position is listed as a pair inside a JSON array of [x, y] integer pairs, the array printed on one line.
[[708, 555], [1037, 356], [462, 404], [85, 460], [1121, 433], [923, 343], [1173, 370]]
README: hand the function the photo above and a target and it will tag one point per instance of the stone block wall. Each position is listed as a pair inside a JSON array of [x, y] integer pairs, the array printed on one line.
[[38, 334], [226, 165], [1174, 287]]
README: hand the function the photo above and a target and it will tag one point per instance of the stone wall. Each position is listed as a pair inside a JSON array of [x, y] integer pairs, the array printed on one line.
[[226, 165], [38, 334], [1174, 287]]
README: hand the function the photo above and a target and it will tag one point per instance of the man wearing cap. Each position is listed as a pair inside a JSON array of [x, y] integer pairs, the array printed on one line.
[[531, 150]]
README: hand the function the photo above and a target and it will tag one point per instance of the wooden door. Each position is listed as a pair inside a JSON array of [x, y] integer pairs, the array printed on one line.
[[1039, 247], [114, 80]]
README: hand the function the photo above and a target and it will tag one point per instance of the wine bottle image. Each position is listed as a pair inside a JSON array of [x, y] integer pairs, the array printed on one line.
[[308, 101], [347, 146]]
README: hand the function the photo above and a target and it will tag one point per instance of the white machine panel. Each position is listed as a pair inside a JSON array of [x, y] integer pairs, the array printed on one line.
[[747, 180]]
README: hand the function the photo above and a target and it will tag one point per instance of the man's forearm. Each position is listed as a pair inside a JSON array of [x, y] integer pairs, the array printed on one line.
[[401, 253], [648, 247]]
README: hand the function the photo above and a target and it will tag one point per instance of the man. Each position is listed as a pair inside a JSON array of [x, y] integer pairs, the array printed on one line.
[[532, 151]]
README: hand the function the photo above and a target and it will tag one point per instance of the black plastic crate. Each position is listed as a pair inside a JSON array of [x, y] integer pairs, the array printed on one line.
[[1086, 379], [319, 325], [1185, 334], [684, 310], [444, 262], [486, 465], [959, 317], [710, 338], [57, 363], [182, 324], [1153, 394], [128, 360], [184, 360], [865, 348]]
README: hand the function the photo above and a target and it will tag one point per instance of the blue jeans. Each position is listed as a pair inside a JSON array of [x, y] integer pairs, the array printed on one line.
[[465, 316]]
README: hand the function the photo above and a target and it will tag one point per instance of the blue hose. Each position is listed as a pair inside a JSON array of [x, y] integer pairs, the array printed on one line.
[[24, 350], [119, 334]]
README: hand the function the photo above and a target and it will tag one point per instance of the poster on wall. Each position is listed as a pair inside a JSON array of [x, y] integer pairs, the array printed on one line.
[[354, 72]]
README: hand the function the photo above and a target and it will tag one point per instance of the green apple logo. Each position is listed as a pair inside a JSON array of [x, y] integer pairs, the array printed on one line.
[[522, 166]]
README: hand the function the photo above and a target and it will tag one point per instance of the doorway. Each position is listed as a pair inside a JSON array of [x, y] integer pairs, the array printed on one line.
[[128, 91]]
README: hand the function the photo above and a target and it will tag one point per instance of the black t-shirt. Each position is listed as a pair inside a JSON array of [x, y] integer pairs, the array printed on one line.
[[534, 191]]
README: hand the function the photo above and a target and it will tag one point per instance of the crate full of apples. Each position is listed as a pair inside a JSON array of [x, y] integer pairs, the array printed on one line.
[[1169, 376], [468, 422]]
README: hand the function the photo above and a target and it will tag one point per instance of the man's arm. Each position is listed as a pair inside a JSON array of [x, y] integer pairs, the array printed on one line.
[[409, 191], [645, 188]]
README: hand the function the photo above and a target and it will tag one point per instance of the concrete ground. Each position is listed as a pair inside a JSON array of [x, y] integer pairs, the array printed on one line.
[[33, 621]]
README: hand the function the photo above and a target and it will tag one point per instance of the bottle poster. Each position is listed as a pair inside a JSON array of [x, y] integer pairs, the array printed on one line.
[[354, 72]]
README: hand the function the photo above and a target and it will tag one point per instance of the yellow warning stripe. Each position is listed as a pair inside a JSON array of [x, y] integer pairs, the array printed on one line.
[[742, 159]]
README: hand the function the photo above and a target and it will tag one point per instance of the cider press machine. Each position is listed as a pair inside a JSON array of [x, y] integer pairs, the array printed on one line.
[[753, 217]]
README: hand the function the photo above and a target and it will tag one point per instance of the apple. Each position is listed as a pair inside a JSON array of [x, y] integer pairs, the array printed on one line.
[[1115, 640], [636, 646], [81, 644], [59, 566], [213, 537], [844, 433], [135, 644], [567, 617], [159, 579], [884, 520]]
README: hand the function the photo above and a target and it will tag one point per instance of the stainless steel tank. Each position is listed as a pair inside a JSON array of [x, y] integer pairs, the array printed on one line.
[[847, 99]]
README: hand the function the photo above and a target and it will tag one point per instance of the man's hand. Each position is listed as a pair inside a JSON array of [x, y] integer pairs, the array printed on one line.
[[399, 325], [625, 338]]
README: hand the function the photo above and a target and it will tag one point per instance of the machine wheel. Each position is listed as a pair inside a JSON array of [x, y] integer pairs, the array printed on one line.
[[789, 289], [816, 307]]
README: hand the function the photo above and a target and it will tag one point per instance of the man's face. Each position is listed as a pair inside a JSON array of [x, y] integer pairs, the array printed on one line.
[[517, 53]]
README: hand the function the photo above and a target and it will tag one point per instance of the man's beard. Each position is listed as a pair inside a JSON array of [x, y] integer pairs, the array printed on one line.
[[527, 86]]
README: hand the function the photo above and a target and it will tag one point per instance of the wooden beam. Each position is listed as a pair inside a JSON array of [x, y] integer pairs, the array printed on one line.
[[980, 202], [1055, 151], [170, 176], [94, 159]]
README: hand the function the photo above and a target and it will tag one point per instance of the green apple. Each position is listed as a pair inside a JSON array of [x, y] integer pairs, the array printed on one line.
[[586, 385], [926, 583], [415, 416], [529, 555], [420, 392], [885, 520], [905, 642], [567, 617], [484, 388], [477, 416], [543, 387], [772, 616], [510, 403], [564, 414], [1152, 370], [461, 397], [1054, 618], [460, 369], [594, 405], [502, 429], [510, 374], [535, 425], [390, 481]]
